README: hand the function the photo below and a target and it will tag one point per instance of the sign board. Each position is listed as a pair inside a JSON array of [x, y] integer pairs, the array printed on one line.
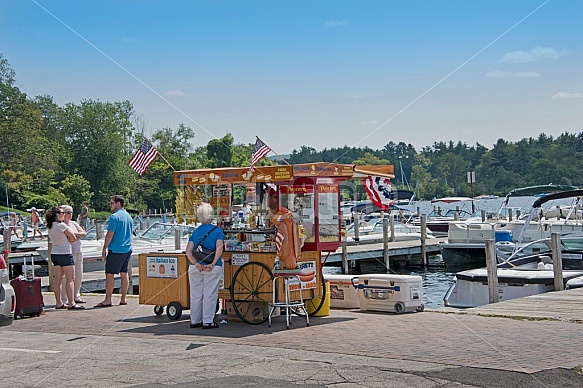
[[162, 267], [307, 278], [239, 259]]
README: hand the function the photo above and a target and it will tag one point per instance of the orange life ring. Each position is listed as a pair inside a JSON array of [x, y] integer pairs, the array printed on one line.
[[290, 246]]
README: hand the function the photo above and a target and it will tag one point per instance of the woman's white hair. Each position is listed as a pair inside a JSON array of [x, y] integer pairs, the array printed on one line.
[[205, 213], [67, 208]]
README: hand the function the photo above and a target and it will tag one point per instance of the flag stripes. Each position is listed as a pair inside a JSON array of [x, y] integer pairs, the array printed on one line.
[[259, 152], [143, 157]]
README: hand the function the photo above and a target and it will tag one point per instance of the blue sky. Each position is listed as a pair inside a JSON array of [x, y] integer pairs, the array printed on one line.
[[317, 73]]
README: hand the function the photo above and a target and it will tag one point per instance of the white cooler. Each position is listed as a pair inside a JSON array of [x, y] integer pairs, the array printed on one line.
[[343, 295], [390, 293]]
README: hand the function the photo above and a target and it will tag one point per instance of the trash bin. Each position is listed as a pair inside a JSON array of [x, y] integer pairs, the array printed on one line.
[[325, 309]]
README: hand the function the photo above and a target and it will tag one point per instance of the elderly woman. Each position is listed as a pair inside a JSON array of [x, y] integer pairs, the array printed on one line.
[[204, 277], [61, 256]]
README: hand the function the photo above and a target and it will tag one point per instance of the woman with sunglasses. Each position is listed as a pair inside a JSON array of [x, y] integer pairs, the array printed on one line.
[[61, 256]]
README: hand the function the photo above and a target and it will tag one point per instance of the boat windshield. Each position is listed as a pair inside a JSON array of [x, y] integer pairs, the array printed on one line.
[[160, 230]]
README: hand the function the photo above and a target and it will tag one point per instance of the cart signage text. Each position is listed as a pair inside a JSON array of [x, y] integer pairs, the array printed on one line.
[[162, 267]]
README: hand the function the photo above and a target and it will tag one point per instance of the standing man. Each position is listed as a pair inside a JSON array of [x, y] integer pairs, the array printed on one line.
[[83, 216], [117, 249], [35, 221]]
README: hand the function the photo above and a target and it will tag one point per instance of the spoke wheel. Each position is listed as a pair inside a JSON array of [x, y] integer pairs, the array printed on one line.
[[251, 291]]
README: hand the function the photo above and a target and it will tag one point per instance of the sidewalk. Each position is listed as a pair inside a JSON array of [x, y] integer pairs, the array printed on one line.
[[358, 349]]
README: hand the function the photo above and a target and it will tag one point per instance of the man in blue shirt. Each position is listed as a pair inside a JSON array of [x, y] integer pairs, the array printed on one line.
[[117, 249]]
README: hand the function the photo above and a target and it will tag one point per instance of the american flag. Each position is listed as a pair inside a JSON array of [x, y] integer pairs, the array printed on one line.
[[259, 152], [143, 157], [379, 191]]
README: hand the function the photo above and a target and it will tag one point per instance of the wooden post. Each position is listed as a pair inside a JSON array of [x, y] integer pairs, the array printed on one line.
[[418, 211], [98, 231], [51, 266], [344, 256], [423, 237], [492, 267], [456, 215], [483, 215], [557, 261], [509, 214], [392, 224], [177, 238], [131, 283], [386, 245], [356, 226]]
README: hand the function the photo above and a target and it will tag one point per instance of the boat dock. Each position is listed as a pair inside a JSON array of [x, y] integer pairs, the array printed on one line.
[[565, 306], [401, 251]]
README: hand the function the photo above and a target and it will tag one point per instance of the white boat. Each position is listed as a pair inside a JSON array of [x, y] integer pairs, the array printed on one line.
[[159, 237], [439, 218], [466, 239], [523, 274], [372, 232]]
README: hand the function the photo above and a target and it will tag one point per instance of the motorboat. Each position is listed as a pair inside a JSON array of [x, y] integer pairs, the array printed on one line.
[[372, 232], [159, 237], [529, 271], [465, 245]]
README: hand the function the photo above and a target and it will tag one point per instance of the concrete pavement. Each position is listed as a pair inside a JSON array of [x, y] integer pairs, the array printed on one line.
[[128, 345]]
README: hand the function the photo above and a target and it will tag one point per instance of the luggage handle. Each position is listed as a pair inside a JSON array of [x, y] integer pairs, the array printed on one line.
[[24, 265]]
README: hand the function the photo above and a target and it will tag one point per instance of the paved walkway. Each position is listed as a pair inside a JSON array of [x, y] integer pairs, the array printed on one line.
[[434, 337]]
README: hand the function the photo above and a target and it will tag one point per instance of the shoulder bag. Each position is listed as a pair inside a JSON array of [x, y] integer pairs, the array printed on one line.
[[202, 254]]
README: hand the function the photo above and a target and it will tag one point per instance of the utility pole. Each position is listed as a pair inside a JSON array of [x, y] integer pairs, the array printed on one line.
[[471, 180]]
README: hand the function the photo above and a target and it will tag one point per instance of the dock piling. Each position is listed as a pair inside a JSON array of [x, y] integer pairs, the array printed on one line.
[[557, 261], [491, 265]]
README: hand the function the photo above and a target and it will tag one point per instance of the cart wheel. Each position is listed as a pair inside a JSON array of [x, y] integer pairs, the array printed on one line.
[[399, 308], [250, 292], [174, 310], [420, 308], [158, 310]]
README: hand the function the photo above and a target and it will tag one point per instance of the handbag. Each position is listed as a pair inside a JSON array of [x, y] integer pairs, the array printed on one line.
[[203, 254]]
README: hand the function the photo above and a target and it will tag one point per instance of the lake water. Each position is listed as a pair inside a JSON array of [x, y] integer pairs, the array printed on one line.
[[436, 281]]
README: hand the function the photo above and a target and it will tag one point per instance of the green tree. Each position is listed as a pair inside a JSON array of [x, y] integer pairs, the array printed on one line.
[[97, 135], [77, 189], [219, 151]]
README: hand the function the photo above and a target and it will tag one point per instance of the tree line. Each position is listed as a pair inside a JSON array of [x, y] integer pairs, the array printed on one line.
[[51, 154]]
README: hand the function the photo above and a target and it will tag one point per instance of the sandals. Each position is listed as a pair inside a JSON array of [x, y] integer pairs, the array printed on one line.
[[79, 301], [76, 307], [61, 307], [213, 325], [195, 325]]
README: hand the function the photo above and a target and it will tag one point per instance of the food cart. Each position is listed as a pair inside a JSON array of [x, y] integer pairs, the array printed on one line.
[[308, 193]]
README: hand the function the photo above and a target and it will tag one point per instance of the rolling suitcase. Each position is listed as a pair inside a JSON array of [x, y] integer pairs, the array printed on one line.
[[29, 297]]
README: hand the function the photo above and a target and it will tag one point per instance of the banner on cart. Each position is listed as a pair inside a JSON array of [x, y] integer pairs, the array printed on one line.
[[162, 267], [307, 278]]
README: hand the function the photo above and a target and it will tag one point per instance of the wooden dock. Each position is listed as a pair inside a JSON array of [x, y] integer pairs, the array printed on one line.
[[564, 305], [401, 250]]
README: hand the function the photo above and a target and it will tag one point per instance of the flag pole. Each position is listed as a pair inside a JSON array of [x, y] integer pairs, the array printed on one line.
[[276, 154], [162, 156]]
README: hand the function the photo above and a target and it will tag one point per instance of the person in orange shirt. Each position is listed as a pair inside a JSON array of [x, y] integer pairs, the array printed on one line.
[[35, 221]]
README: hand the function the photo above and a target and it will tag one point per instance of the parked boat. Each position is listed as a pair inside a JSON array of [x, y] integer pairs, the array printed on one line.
[[466, 239], [372, 232], [439, 218], [521, 275], [159, 237]]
